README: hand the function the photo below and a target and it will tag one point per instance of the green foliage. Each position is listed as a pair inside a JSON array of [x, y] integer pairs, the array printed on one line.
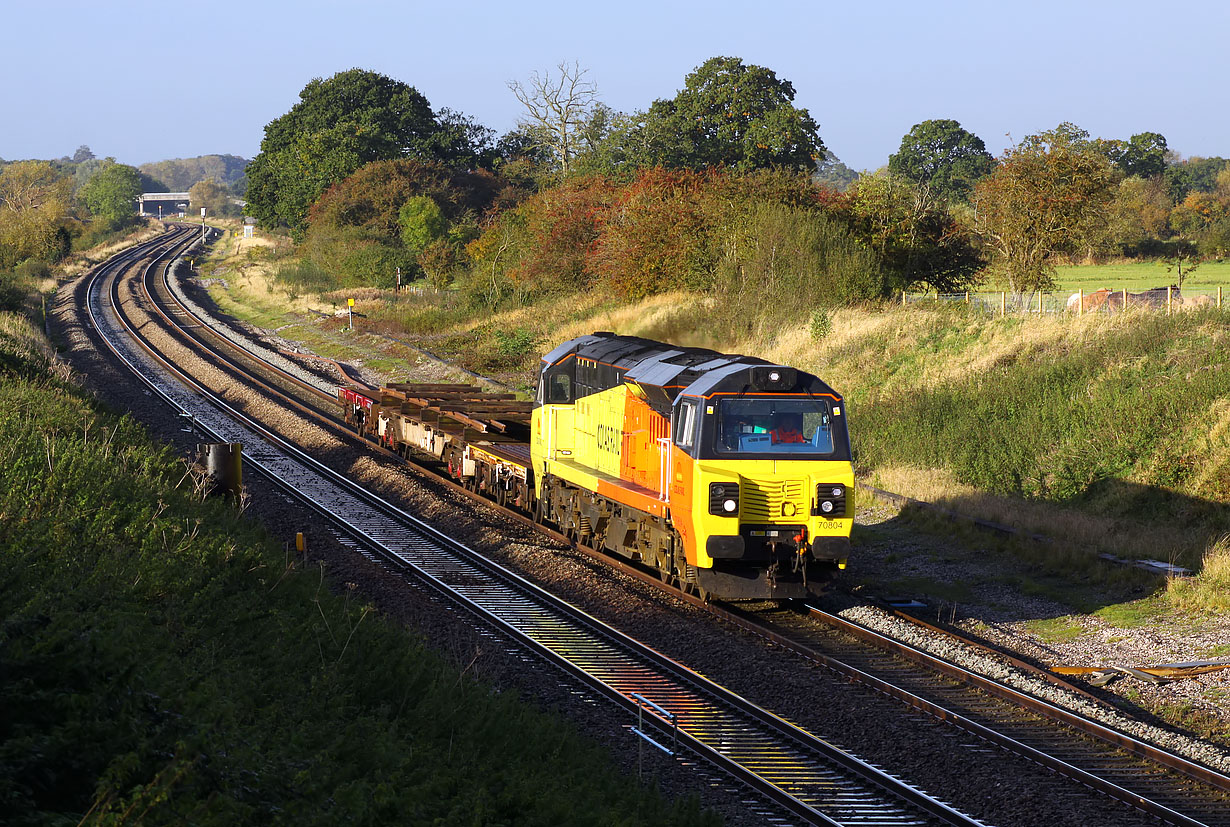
[[339, 124], [1117, 425], [783, 262], [301, 275], [161, 661], [1144, 155], [917, 239], [111, 194], [728, 114], [421, 222], [943, 157]]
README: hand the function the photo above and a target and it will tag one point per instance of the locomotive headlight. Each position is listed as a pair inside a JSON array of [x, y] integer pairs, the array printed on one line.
[[724, 499], [826, 507], [775, 376]]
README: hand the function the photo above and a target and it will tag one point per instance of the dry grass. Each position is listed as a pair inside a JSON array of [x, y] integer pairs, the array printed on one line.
[[1208, 591]]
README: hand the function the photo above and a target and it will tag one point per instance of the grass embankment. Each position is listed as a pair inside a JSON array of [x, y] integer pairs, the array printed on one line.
[[1105, 432], [161, 661]]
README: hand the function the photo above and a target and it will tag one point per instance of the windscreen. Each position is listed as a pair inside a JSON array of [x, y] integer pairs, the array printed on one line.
[[774, 424]]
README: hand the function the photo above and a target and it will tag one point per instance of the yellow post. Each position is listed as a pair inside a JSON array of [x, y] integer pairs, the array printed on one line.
[[1168, 300], [1124, 299], [1219, 297], [1003, 303], [967, 297], [300, 544], [903, 298], [1080, 305]]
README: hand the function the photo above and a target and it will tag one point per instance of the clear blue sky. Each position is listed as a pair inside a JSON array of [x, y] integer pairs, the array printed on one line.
[[146, 81]]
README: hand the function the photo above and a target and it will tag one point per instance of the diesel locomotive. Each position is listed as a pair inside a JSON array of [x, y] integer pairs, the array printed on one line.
[[729, 475]]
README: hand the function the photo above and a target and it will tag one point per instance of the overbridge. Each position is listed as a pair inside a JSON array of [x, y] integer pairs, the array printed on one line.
[[160, 202]]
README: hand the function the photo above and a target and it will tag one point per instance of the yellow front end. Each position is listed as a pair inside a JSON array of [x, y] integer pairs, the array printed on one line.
[[779, 505]]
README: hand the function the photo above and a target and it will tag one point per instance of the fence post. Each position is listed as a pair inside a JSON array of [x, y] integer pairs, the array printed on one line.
[[1124, 308], [1080, 307], [903, 298], [1219, 297], [967, 297], [1039, 302], [1168, 300], [1003, 303]]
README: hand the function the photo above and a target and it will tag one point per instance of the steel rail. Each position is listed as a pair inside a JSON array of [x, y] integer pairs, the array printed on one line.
[[1019, 699], [793, 778]]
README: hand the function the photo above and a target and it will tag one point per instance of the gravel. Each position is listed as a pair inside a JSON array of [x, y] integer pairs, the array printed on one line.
[[969, 774]]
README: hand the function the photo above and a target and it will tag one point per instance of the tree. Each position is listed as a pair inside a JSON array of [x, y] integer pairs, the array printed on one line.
[[111, 193], [832, 173], [1144, 155], [916, 238], [339, 125], [1049, 195], [212, 196], [944, 157], [732, 114], [557, 110], [35, 200], [1139, 214], [83, 153], [422, 222]]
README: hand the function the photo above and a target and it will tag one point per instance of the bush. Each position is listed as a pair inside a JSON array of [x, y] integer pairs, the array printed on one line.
[[303, 276]]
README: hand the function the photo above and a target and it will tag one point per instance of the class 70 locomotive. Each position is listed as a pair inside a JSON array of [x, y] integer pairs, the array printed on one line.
[[729, 475]]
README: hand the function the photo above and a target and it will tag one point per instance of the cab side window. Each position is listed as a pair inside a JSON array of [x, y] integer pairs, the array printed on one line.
[[559, 389], [684, 429]]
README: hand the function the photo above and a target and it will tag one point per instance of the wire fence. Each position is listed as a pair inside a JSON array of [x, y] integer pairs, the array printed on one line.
[[1003, 303]]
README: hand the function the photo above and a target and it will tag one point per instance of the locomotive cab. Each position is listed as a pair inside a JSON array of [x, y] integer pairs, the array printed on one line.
[[762, 482], [729, 473]]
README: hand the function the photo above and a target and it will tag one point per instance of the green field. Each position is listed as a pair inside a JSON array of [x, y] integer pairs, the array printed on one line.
[[1138, 276]]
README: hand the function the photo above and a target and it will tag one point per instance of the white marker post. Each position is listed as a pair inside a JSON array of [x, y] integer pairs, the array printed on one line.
[[350, 311], [202, 225]]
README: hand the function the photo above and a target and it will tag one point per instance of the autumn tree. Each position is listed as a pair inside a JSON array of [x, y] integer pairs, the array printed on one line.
[[211, 195], [731, 114], [35, 200], [1048, 196], [556, 111], [943, 157]]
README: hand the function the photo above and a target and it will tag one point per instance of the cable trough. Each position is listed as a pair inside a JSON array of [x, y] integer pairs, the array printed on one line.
[[802, 773]]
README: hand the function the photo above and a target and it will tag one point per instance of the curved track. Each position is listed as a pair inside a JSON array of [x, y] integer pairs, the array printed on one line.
[[801, 773], [1171, 788]]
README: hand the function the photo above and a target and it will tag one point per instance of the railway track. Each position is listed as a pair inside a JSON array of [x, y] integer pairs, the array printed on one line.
[[1172, 789], [807, 777]]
